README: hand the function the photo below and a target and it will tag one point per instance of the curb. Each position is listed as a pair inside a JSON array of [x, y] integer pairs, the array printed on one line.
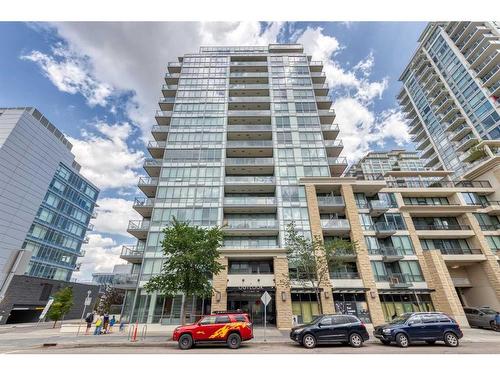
[[129, 344]]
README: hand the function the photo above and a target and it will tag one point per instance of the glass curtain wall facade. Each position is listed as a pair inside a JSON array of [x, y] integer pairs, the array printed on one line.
[[450, 94], [58, 231], [238, 127]]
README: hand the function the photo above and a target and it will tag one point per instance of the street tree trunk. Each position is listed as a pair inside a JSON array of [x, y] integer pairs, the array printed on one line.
[[54, 326], [318, 297]]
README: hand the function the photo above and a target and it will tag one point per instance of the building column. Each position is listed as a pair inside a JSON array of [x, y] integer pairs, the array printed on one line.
[[219, 295], [283, 296], [317, 233], [490, 266], [362, 258], [436, 274]]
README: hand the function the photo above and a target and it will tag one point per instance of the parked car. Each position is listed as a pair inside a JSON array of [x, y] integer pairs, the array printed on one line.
[[326, 329], [221, 328], [483, 317], [411, 327]]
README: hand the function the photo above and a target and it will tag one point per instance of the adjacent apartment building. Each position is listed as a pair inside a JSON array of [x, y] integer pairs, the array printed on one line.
[[450, 94], [45, 203]]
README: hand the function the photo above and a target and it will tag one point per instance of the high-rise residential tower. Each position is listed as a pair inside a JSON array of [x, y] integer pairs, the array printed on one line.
[[45, 204], [450, 94], [237, 129]]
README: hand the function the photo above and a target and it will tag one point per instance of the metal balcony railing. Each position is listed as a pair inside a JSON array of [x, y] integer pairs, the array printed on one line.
[[419, 226], [459, 251], [132, 251], [249, 161], [344, 275], [252, 224], [253, 180], [249, 144], [331, 201], [250, 201]]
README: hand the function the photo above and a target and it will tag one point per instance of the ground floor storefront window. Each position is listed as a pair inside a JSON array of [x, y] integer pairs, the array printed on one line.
[[305, 307], [352, 304], [159, 309], [395, 304], [249, 301]]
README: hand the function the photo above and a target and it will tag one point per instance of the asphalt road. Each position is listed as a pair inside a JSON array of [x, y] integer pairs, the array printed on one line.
[[273, 348]]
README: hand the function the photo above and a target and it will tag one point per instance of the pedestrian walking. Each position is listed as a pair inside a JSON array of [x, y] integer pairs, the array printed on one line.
[[106, 322], [89, 320], [112, 322], [98, 326], [122, 325], [497, 322]]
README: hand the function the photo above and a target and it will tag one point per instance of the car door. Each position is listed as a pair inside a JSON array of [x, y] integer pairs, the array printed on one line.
[[206, 327], [415, 328], [340, 328], [473, 316], [431, 328], [324, 330]]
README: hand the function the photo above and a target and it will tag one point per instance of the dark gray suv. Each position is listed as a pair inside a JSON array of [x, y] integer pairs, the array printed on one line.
[[483, 317]]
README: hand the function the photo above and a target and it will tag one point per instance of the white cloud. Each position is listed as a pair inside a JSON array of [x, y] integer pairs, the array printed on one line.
[[105, 157], [102, 254], [113, 215], [71, 73]]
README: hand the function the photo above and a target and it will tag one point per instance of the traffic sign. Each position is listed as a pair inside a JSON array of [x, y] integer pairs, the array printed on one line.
[[88, 300], [266, 298]]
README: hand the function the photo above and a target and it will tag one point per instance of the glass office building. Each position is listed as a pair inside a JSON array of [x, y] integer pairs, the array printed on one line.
[[236, 130], [450, 95]]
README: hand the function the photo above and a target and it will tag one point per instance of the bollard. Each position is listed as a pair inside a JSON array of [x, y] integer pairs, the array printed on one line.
[[134, 336]]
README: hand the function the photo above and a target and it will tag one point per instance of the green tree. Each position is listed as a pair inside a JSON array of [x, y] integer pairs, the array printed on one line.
[[111, 297], [313, 259], [192, 254], [63, 301]]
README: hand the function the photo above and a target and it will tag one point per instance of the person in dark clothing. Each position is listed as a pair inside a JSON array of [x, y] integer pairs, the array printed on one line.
[[105, 322], [89, 319]]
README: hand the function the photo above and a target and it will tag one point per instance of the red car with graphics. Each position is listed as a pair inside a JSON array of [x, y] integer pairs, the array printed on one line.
[[228, 328]]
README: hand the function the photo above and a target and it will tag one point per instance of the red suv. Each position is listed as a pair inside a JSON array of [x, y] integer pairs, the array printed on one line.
[[228, 328]]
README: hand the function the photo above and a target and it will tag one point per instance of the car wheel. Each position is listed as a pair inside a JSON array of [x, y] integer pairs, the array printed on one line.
[[355, 340], [402, 340], [493, 326], [385, 342], [430, 342], [185, 342], [233, 341], [450, 339], [309, 341]]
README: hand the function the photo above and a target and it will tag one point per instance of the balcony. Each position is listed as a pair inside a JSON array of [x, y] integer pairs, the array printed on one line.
[[489, 227], [320, 89], [453, 122], [249, 166], [249, 148], [132, 254], [333, 147], [426, 209], [438, 231], [249, 204], [163, 117], [461, 282], [337, 166], [335, 275], [249, 184], [466, 142], [460, 131], [324, 102], [400, 280], [144, 206], [148, 186], [330, 131], [318, 77], [169, 90], [172, 78], [156, 148], [248, 77], [384, 230], [391, 254], [174, 67], [250, 88], [249, 227], [336, 227], [491, 207], [326, 117], [249, 117], [249, 132], [160, 133], [315, 66], [378, 207], [138, 229], [249, 102], [125, 281], [153, 166], [331, 204], [166, 104]]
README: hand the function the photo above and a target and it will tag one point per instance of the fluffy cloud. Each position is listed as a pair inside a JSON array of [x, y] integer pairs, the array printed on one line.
[[71, 73], [354, 94], [102, 254], [113, 215], [105, 157]]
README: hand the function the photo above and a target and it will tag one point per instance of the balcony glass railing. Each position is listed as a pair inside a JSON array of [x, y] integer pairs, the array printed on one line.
[[252, 224], [138, 225], [344, 275], [249, 128], [423, 226], [157, 144], [333, 143], [148, 181], [160, 129], [257, 180], [132, 251], [250, 201], [150, 162], [331, 201], [459, 251], [377, 204], [247, 144], [249, 161], [143, 202], [489, 227], [391, 251], [386, 227], [335, 224]]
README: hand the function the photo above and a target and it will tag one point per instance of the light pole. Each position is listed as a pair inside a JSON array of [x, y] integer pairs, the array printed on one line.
[[87, 302]]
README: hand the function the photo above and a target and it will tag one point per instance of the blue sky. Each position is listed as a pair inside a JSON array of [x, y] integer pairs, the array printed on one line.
[[99, 84]]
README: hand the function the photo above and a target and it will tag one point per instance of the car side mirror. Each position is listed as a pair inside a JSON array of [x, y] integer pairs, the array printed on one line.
[[481, 314], [410, 324]]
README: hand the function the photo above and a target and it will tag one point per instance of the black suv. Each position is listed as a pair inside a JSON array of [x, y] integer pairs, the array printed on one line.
[[429, 327], [326, 329]]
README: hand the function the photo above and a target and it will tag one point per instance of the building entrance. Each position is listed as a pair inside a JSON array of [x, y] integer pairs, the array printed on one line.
[[250, 303]]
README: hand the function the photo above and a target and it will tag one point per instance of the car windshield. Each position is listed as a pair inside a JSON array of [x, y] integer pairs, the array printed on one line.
[[488, 311], [400, 319]]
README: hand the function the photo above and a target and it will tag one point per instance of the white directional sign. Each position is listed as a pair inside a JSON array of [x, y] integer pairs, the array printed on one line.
[[46, 308], [266, 298], [88, 300]]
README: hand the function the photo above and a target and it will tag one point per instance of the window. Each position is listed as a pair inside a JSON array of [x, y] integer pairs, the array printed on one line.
[[326, 321], [240, 318], [208, 320], [415, 320], [337, 320], [427, 319], [222, 319]]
